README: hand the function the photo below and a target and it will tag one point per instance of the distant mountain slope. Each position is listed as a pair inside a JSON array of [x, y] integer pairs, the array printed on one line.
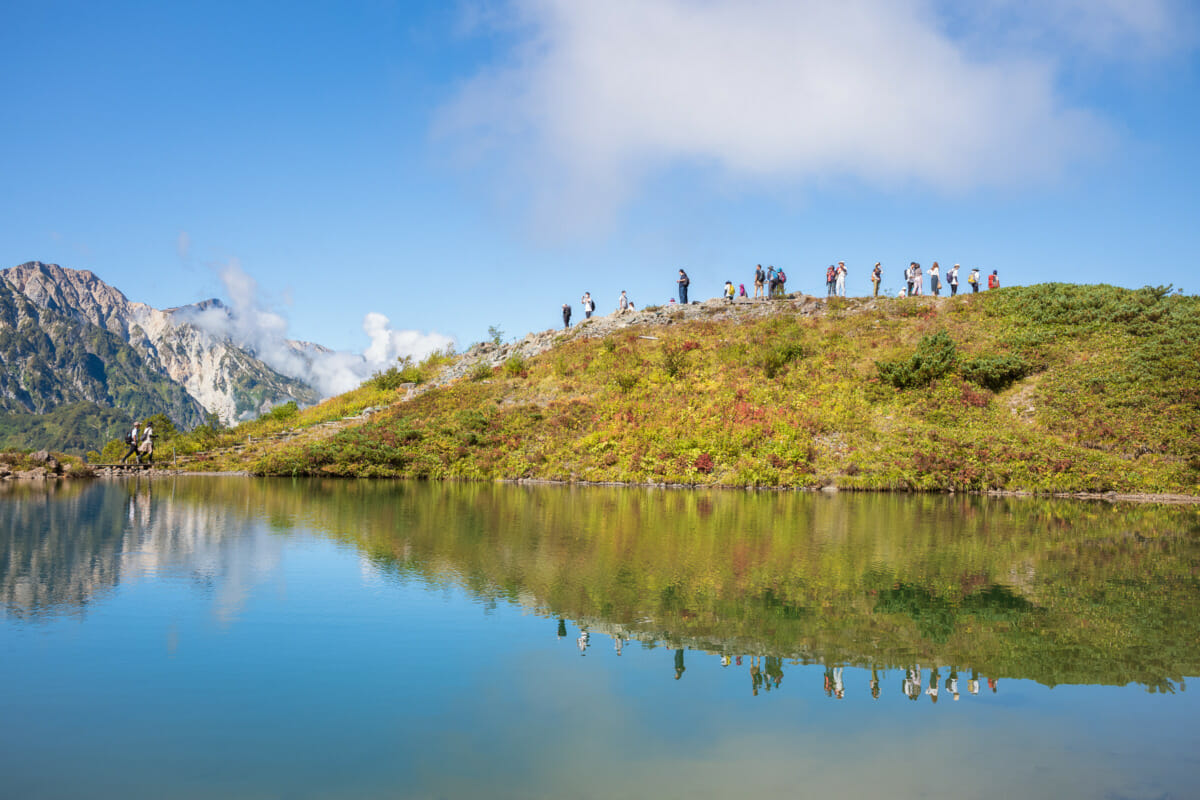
[[50, 359], [216, 372]]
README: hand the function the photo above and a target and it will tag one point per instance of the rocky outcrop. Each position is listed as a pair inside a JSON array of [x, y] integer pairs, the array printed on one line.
[[219, 374]]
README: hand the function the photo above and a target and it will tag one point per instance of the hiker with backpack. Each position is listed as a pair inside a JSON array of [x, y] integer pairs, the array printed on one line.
[[566, 315], [993, 280], [146, 448], [781, 281], [132, 441], [973, 279], [589, 305], [684, 281], [876, 278], [830, 280], [760, 278], [952, 279]]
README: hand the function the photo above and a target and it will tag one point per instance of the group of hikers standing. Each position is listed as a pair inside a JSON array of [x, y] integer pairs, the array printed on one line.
[[772, 282], [914, 280]]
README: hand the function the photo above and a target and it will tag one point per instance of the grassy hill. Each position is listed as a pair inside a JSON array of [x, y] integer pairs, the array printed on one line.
[[1048, 388]]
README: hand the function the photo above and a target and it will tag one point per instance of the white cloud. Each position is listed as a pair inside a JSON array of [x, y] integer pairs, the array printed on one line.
[[264, 333], [599, 96]]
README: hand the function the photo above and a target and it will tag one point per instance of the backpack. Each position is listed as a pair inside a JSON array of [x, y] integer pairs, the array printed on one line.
[[782, 276], [129, 438]]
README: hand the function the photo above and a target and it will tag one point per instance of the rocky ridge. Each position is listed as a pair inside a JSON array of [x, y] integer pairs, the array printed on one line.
[[222, 377]]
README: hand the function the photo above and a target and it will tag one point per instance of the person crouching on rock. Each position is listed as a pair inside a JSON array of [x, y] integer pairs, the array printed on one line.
[[132, 439]]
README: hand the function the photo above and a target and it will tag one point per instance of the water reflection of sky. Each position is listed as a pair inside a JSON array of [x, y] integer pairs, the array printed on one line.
[[246, 662]]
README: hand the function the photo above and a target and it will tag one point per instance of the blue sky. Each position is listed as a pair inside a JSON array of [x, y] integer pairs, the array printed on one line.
[[452, 166]]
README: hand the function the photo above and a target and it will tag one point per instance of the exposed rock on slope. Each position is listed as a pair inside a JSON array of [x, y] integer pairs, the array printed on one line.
[[49, 359], [221, 376]]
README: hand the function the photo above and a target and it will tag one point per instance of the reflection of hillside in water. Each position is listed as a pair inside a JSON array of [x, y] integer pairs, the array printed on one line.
[[1056, 591], [66, 546]]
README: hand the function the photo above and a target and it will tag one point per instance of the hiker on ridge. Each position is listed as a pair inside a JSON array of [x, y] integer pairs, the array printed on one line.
[[952, 279], [684, 281], [760, 278], [589, 305], [876, 278], [566, 315]]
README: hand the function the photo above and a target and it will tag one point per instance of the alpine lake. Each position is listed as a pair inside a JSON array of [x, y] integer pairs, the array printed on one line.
[[203, 637]]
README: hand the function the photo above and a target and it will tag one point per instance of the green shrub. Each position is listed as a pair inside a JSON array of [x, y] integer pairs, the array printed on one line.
[[626, 381], [776, 358], [674, 360], [282, 412], [515, 366], [480, 372], [935, 357], [995, 372]]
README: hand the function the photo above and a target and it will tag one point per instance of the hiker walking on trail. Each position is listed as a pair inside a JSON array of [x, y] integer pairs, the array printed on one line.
[[147, 446], [993, 280], [952, 279], [973, 279], [760, 278], [132, 440], [566, 315], [684, 281], [876, 278]]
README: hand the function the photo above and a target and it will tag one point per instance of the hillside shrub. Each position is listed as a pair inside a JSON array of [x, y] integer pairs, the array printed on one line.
[[935, 356], [674, 360], [995, 372], [514, 366], [778, 357]]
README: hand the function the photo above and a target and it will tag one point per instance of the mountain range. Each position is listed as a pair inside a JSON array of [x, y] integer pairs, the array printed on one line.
[[67, 337]]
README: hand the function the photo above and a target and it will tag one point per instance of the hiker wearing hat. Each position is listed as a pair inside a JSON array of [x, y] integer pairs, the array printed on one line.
[[876, 277], [973, 279], [952, 279]]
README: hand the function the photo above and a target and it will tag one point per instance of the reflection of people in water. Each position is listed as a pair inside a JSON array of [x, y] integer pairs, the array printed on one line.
[[618, 643], [774, 669], [755, 675], [874, 683], [973, 683], [582, 641], [952, 683], [839, 688], [935, 677], [562, 629], [992, 684], [724, 660], [912, 682], [828, 682], [679, 667]]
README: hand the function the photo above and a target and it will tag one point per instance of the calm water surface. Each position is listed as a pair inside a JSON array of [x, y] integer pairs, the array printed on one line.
[[201, 637]]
